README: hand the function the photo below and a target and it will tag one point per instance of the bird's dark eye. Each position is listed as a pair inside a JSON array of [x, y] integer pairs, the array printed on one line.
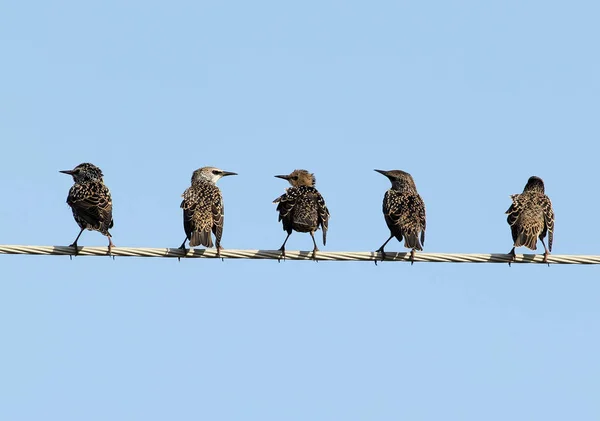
[[295, 178], [215, 172]]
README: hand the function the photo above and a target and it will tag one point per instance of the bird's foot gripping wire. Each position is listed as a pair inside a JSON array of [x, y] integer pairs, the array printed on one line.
[[110, 247], [75, 249], [546, 254], [412, 257], [513, 256], [314, 254], [383, 255], [282, 255], [219, 248], [182, 247]]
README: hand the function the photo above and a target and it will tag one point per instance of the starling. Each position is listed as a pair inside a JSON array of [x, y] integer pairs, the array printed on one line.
[[90, 201], [203, 208], [404, 212], [531, 217], [302, 208]]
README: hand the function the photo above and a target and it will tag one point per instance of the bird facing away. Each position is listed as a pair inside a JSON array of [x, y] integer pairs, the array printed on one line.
[[531, 217], [302, 208], [203, 208], [404, 212], [90, 201]]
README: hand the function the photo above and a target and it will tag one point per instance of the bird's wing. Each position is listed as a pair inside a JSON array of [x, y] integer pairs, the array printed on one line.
[[420, 213], [389, 210], [218, 211], [548, 219], [514, 210], [323, 215], [189, 204], [286, 203], [92, 202]]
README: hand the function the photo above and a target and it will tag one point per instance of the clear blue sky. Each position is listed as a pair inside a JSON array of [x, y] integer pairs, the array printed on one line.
[[470, 97]]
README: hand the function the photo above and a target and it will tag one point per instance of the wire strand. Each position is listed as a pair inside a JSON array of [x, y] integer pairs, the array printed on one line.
[[344, 256]]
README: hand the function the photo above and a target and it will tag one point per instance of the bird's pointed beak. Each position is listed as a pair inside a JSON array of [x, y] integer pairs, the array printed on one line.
[[382, 172], [284, 177], [226, 173], [69, 172]]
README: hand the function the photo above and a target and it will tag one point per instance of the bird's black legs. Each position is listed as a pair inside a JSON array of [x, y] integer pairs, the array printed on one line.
[[182, 247], [412, 257], [380, 249], [282, 248], [546, 252], [219, 248], [512, 254], [316, 249], [74, 245]]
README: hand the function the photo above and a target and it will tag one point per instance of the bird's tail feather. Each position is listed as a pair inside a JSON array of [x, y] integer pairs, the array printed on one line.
[[201, 238], [411, 241], [526, 239]]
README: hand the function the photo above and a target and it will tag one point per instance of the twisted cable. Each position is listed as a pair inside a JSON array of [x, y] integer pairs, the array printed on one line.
[[368, 256]]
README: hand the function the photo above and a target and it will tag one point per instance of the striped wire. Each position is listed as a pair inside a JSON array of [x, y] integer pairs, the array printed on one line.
[[301, 255]]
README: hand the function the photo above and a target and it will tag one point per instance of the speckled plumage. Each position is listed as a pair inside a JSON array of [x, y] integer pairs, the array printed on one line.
[[302, 208], [404, 211], [531, 217], [203, 210], [90, 201]]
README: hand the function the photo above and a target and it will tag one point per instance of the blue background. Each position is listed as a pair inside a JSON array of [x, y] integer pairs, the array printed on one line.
[[470, 97]]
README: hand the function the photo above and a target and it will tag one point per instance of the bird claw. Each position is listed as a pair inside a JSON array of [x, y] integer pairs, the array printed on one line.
[[282, 255], [182, 247], [74, 245], [383, 255], [514, 256], [412, 257], [219, 248], [314, 254], [546, 259], [110, 247]]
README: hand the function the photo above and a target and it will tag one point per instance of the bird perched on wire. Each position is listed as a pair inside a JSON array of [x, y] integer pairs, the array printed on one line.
[[404, 212], [302, 208], [90, 201], [203, 208], [531, 217]]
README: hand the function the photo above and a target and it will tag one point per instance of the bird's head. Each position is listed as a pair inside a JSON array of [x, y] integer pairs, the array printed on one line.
[[400, 180], [299, 178], [210, 174], [85, 172], [534, 184]]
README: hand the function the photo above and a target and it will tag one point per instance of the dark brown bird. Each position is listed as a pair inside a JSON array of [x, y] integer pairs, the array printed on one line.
[[404, 212], [90, 201], [531, 217], [302, 208], [203, 208]]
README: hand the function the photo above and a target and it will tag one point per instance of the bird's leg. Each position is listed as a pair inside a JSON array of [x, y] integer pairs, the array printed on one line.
[[282, 248], [316, 249], [75, 242], [546, 252], [412, 257], [219, 248], [512, 254], [182, 247], [380, 249], [110, 246]]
